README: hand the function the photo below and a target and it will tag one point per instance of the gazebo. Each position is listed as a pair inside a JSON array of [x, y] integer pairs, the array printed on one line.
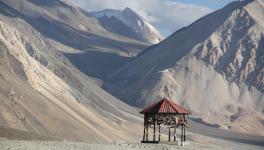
[[167, 113]]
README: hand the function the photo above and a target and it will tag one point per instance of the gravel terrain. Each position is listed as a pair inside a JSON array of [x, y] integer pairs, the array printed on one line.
[[48, 145]]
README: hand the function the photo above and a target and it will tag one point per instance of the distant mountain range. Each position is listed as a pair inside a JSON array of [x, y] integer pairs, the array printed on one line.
[[128, 23]]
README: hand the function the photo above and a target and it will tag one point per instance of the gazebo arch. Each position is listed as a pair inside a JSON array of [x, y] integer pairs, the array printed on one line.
[[167, 113]]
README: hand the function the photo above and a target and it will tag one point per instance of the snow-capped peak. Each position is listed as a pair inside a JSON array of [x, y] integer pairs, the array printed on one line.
[[143, 30]]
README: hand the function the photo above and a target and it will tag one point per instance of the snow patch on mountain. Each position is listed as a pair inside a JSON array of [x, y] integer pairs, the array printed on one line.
[[144, 30]]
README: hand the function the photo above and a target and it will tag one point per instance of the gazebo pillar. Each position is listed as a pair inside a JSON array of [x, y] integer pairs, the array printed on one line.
[[159, 132], [169, 135], [144, 133], [182, 132], [147, 127], [154, 129], [184, 136], [174, 139], [147, 134]]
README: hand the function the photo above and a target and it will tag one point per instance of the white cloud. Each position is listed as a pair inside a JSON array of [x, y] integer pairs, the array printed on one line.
[[166, 15]]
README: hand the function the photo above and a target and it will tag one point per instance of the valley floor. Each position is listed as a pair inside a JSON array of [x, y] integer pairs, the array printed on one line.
[[56, 145], [204, 138]]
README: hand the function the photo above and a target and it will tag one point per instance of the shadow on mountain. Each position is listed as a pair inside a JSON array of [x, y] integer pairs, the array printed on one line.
[[97, 64], [199, 120], [116, 26], [66, 34], [200, 128], [50, 3]]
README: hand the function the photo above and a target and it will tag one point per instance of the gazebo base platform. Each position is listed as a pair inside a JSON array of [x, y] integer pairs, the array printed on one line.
[[167, 142]]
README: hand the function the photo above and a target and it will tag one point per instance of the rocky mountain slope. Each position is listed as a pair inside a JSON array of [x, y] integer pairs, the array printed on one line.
[[41, 91], [67, 24], [73, 27], [128, 23], [214, 67]]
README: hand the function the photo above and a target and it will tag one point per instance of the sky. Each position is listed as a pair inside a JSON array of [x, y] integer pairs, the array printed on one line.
[[166, 15]]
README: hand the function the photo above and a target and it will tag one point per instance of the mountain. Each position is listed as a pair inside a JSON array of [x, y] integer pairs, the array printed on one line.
[[70, 26], [214, 67], [128, 23], [41, 91], [73, 27]]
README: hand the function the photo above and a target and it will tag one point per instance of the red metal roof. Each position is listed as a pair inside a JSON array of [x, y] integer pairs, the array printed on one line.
[[165, 106]]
